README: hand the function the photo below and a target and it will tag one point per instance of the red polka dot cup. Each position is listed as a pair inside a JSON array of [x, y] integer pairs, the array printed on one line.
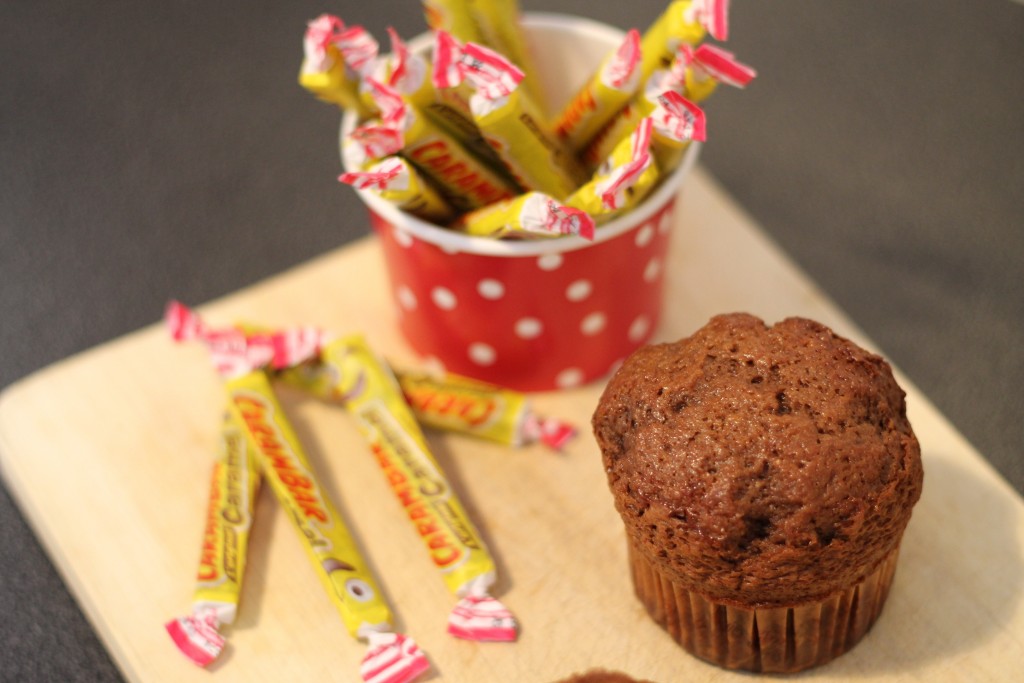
[[542, 314]]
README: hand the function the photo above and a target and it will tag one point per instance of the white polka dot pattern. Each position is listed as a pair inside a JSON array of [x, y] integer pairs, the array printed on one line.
[[638, 329], [490, 289], [406, 299], [482, 354], [549, 262], [403, 238], [579, 290], [652, 270], [540, 322], [443, 298], [528, 328], [644, 235], [593, 323], [568, 378]]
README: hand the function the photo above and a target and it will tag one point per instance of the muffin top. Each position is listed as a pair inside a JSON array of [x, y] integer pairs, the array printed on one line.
[[760, 465]]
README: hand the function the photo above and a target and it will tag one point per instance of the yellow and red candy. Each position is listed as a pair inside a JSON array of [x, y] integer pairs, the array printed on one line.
[[682, 22], [450, 403], [324, 72], [395, 180], [601, 97], [466, 406], [712, 65], [231, 503], [370, 393], [465, 181], [512, 124], [241, 360], [677, 122], [623, 180], [532, 214]]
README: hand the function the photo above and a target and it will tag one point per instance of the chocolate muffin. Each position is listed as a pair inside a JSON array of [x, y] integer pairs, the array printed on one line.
[[765, 476], [601, 676]]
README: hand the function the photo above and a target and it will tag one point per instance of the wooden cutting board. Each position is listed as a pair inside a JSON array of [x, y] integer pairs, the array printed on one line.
[[108, 455]]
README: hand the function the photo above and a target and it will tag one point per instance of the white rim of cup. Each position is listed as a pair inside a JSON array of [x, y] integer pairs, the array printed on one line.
[[453, 242]]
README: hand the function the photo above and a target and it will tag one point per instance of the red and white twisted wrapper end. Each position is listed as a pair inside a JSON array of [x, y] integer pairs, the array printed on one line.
[[551, 432], [446, 71], [392, 658], [723, 66], [679, 118], [197, 637], [482, 618], [234, 352], [713, 15]]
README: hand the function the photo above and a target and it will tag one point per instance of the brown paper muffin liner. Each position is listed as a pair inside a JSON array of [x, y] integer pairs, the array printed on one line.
[[777, 639]]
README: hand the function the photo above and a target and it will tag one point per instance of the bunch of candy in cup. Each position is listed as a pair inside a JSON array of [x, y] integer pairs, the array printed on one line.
[[459, 138], [258, 443]]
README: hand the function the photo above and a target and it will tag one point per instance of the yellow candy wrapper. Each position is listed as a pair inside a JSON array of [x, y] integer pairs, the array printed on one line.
[[395, 180], [324, 72], [233, 488], [369, 144], [449, 403], [455, 17], [328, 542], [411, 76], [465, 181], [361, 53], [229, 514], [494, 23], [677, 123], [623, 181], [640, 106], [512, 125], [501, 25], [603, 96], [336, 559], [682, 22], [465, 406], [533, 214], [371, 394], [710, 66]]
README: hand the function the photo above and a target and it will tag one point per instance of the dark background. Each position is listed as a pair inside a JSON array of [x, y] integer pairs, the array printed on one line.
[[151, 150]]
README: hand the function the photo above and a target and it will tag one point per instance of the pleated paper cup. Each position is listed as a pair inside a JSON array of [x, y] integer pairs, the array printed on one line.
[[763, 639]]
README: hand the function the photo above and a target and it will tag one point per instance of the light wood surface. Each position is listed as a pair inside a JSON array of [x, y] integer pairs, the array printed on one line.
[[108, 455]]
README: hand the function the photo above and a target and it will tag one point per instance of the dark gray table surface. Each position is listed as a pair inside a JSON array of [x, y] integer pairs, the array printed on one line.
[[154, 150]]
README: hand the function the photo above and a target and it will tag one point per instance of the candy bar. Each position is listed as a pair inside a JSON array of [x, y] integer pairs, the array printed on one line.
[[512, 125], [369, 144], [411, 76], [324, 72], [466, 406], [710, 66], [465, 181], [626, 177], [455, 17], [450, 403], [682, 22], [371, 393], [602, 96], [335, 557], [501, 26], [229, 514], [677, 122], [533, 214], [395, 180], [639, 107]]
